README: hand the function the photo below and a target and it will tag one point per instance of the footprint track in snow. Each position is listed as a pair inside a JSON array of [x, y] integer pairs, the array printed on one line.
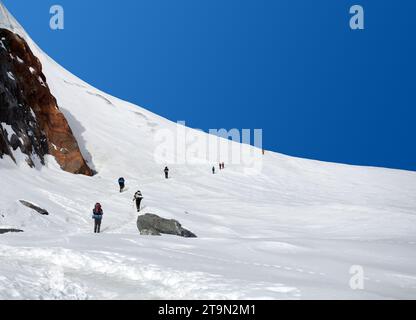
[[254, 264]]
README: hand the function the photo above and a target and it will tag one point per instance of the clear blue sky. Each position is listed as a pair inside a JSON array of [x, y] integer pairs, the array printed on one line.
[[290, 67]]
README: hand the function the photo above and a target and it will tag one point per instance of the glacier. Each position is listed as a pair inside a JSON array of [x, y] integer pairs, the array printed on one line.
[[295, 230]]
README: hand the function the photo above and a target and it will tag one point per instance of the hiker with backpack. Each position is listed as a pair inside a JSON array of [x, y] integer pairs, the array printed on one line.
[[166, 173], [122, 184], [138, 197], [97, 215]]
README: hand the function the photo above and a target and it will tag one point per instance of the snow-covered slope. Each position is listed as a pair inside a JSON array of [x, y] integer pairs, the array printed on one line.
[[291, 231]]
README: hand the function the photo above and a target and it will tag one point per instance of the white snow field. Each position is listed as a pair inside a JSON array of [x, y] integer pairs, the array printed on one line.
[[292, 231]]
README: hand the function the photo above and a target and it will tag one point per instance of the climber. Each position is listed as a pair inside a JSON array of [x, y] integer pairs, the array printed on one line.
[[138, 197], [213, 170], [166, 173], [98, 217], [122, 184]]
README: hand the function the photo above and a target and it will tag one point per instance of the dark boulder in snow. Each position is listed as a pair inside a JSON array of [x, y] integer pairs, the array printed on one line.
[[3, 231], [153, 225], [36, 208]]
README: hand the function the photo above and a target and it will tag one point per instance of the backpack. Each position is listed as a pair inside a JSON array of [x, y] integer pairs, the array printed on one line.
[[138, 195], [98, 211]]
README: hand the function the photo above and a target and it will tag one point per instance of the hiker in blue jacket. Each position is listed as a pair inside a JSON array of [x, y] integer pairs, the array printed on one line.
[[122, 184], [97, 215]]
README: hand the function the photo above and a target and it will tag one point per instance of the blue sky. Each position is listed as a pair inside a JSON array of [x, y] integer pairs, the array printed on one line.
[[291, 67]]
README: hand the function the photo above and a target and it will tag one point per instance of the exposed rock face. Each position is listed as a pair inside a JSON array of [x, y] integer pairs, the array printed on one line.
[[28, 107], [34, 207], [153, 225]]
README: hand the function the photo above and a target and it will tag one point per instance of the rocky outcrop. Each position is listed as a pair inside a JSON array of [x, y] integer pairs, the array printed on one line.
[[153, 225], [34, 207], [3, 231], [29, 110]]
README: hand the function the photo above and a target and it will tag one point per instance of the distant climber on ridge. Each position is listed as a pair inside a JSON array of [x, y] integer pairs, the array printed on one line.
[[166, 173], [138, 197], [122, 184], [98, 217]]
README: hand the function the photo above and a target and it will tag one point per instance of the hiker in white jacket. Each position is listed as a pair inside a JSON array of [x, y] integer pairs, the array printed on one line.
[[138, 197]]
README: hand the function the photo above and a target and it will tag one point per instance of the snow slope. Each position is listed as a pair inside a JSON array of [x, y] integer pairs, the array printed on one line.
[[291, 231]]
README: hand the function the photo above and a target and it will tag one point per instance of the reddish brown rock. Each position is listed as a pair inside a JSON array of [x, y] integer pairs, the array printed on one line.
[[23, 88]]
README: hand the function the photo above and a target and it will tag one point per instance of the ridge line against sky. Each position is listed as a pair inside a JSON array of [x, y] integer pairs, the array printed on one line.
[[293, 68]]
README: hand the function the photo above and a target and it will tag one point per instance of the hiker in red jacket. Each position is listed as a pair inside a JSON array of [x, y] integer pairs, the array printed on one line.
[[98, 217]]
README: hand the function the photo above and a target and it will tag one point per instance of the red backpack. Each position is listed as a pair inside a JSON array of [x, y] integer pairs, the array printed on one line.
[[98, 209]]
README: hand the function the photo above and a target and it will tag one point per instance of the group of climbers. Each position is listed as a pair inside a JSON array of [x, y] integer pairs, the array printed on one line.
[[98, 212]]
